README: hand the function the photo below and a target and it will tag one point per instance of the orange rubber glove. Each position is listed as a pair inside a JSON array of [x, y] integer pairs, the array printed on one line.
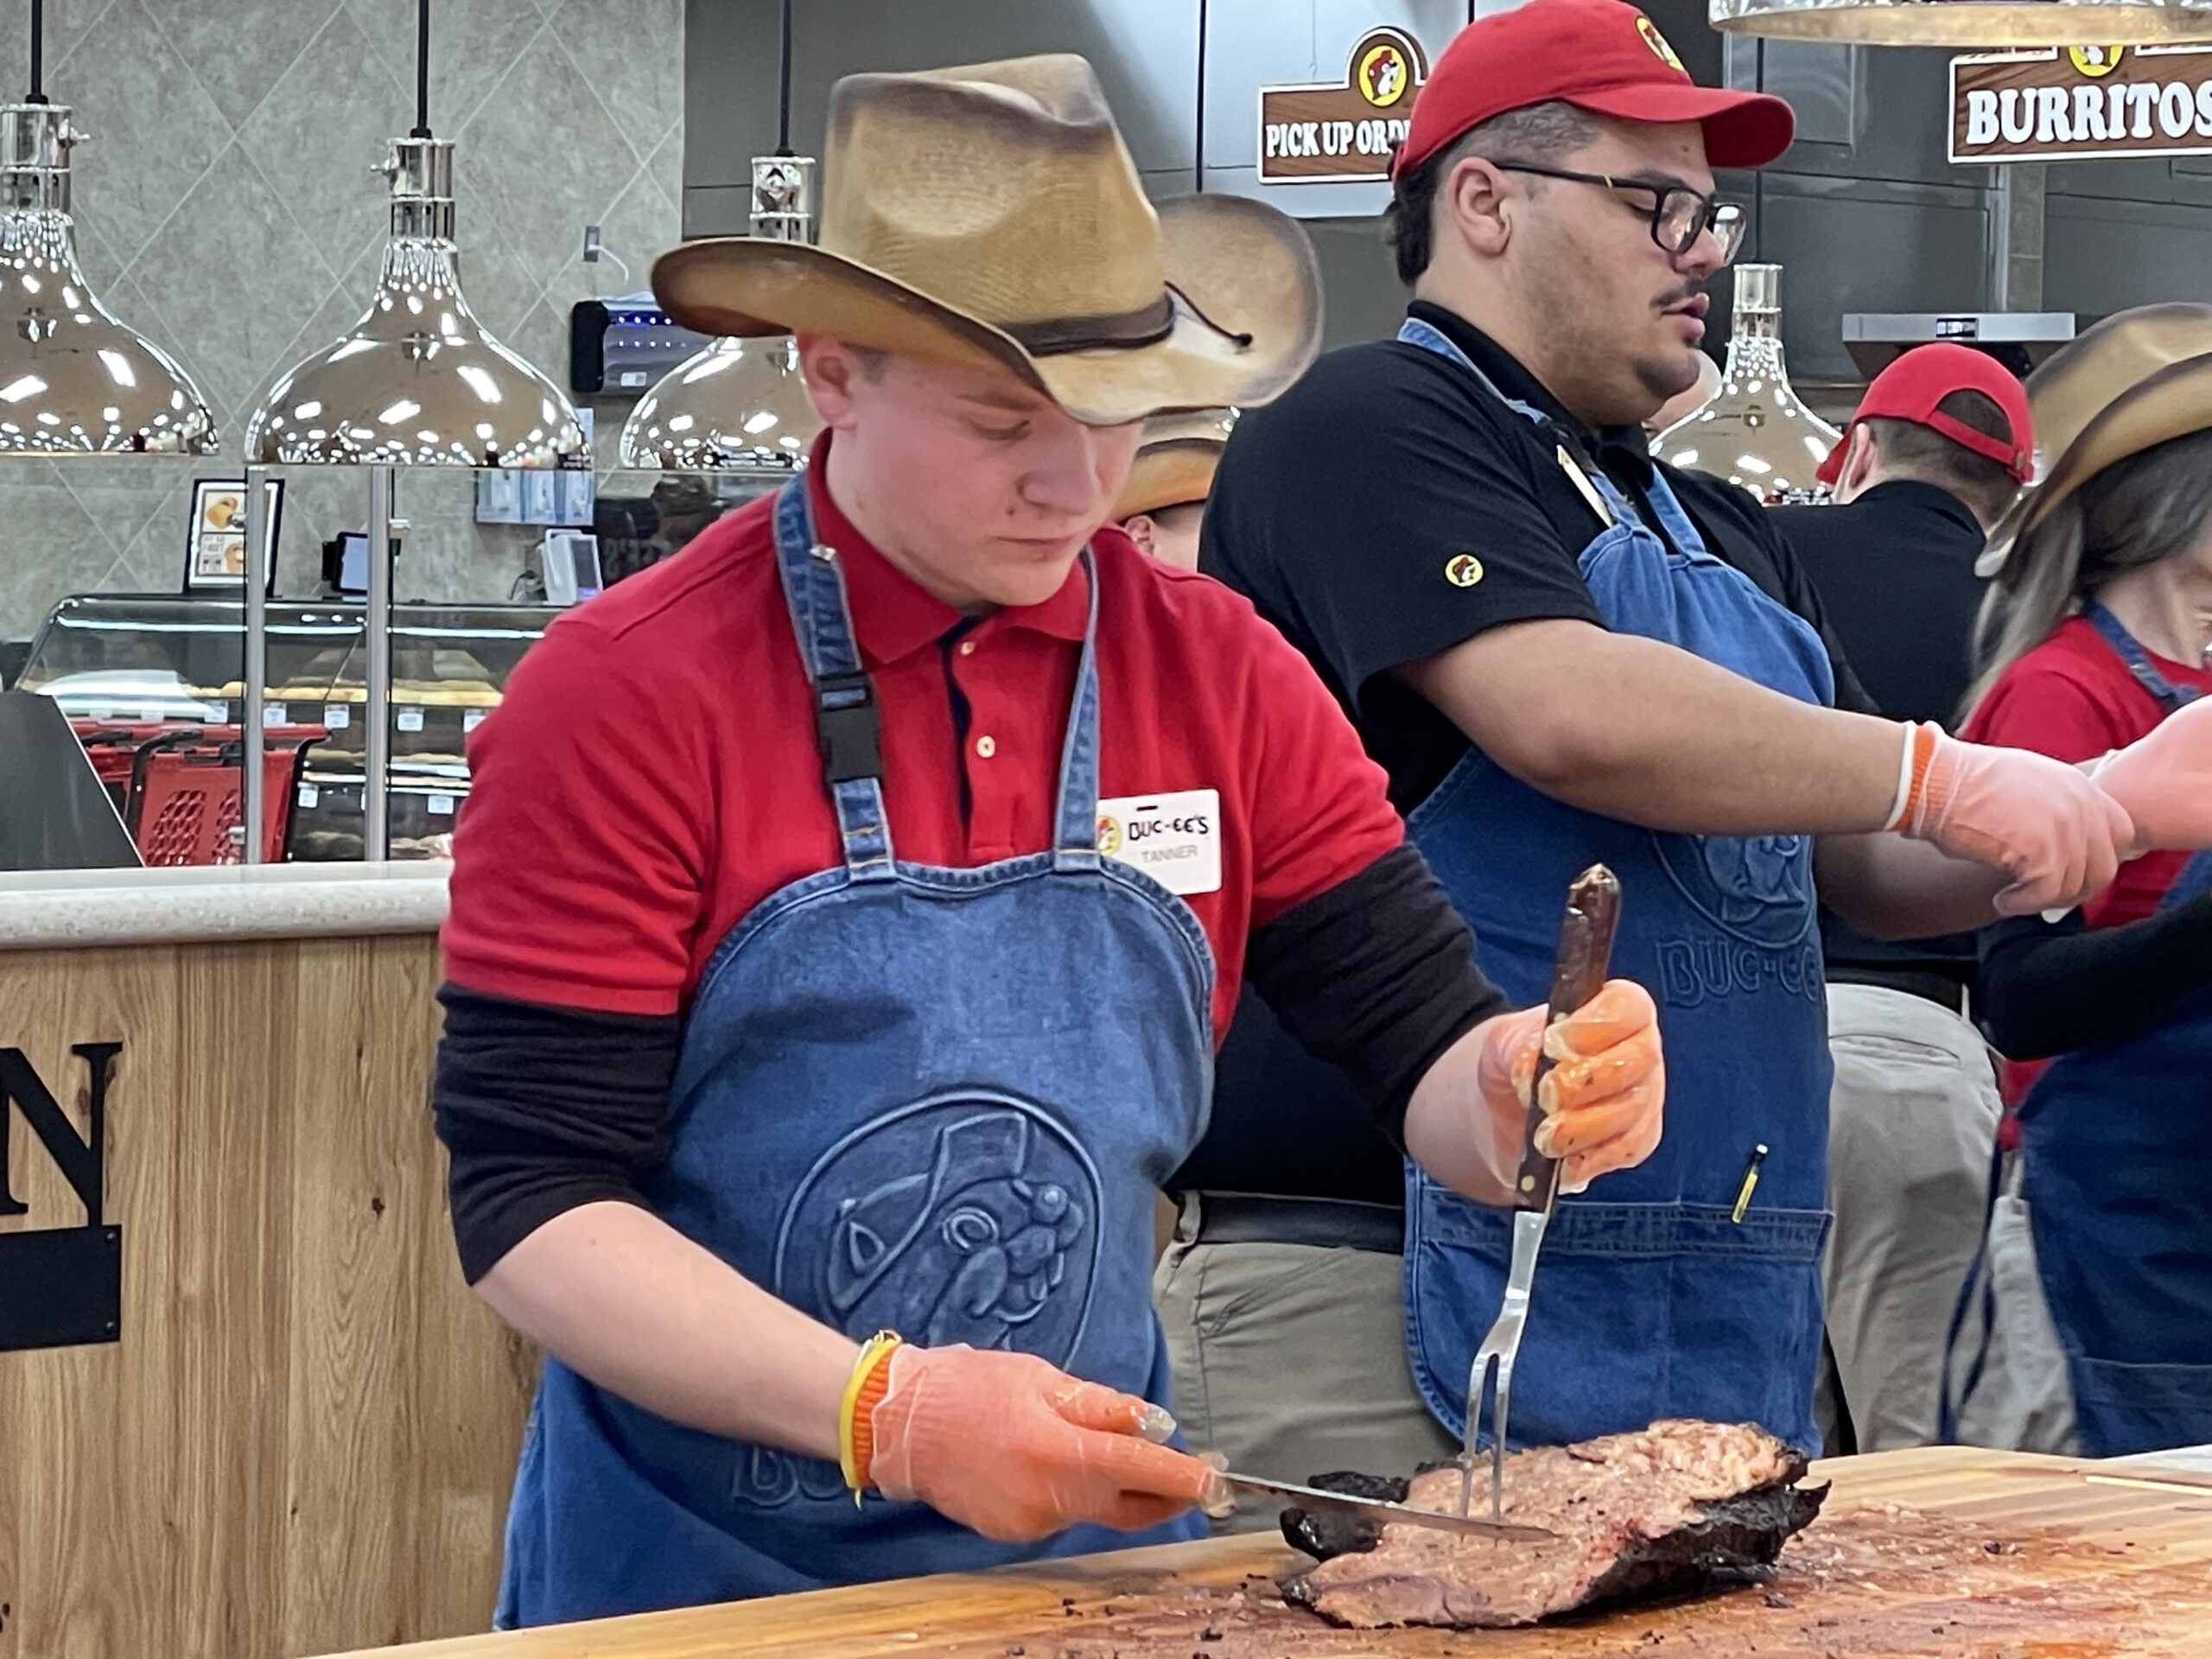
[[1603, 1098], [2059, 836], [2163, 781], [1017, 1449]]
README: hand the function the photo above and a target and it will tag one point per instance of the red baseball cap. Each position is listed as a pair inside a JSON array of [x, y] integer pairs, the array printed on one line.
[[1600, 55], [1910, 389]]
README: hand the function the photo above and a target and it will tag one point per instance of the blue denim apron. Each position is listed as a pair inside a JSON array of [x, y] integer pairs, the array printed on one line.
[[1650, 1302], [2116, 1142], [933, 1099]]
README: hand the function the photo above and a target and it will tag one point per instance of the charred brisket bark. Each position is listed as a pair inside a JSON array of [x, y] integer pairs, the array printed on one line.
[[1668, 1509]]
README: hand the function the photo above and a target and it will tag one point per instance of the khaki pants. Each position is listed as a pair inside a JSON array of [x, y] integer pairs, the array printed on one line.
[[1913, 1123], [1290, 1359]]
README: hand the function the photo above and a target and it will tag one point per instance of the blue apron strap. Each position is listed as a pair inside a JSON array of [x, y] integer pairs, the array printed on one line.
[[846, 728], [1980, 1278], [2171, 697], [1075, 839], [1674, 519], [1605, 497]]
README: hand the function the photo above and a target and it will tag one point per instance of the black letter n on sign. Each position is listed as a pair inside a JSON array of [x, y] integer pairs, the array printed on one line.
[[60, 1285]]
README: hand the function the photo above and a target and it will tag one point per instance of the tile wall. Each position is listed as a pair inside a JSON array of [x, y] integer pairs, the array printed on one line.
[[226, 207]]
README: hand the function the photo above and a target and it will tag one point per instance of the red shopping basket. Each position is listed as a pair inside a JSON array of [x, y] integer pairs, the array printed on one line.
[[185, 804]]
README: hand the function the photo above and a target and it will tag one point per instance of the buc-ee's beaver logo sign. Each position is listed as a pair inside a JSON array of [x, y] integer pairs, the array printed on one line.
[[1343, 131]]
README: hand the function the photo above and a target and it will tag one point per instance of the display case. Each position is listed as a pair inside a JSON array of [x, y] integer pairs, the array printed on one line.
[[119, 662]]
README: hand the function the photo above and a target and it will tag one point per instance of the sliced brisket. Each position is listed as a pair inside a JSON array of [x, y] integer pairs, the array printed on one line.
[[1661, 1511]]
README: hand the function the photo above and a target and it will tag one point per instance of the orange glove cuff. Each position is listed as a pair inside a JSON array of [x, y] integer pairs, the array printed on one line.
[[864, 1390], [1912, 783]]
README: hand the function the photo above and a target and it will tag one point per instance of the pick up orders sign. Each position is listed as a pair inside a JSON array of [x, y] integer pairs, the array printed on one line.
[[1341, 132], [2081, 103]]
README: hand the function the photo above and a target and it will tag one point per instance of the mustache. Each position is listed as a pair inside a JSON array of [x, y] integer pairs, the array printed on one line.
[[1681, 295]]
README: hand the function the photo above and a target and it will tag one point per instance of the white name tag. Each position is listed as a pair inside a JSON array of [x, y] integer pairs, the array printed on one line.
[[1174, 839]]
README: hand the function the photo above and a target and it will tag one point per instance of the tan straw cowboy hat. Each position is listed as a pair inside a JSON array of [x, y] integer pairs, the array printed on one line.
[[992, 214], [1175, 461], [2130, 382]]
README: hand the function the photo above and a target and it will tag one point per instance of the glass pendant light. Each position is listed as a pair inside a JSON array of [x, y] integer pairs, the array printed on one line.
[[1754, 432], [739, 405], [1969, 22], [418, 381], [74, 380]]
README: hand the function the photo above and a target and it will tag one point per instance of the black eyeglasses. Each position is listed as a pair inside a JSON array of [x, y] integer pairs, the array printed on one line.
[[1679, 215]]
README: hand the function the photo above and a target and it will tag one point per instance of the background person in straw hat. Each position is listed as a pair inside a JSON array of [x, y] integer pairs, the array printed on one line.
[[847, 907], [1164, 499], [2100, 643], [1561, 653]]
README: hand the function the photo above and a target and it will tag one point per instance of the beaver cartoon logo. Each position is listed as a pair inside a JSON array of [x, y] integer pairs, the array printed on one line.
[[969, 1218], [1463, 570], [1109, 834], [1657, 43], [1757, 889], [1383, 75], [2096, 61]]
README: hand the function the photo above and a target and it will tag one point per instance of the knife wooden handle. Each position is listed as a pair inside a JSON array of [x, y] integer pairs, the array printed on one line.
[[1585, 953]]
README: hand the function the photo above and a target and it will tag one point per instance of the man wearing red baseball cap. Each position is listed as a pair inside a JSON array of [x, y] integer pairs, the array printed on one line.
[[1562, 653], [1939, 447]]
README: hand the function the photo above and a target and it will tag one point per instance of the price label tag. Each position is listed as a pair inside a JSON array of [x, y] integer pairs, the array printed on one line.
[[153, 716], [473, 719], [99, 711], [410, 720], [222, 714], [441, 806], [336, 716], [309, 795], [275, 714]]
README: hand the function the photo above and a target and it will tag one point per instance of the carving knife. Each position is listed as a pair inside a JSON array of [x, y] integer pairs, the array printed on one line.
[[1378, 1511]]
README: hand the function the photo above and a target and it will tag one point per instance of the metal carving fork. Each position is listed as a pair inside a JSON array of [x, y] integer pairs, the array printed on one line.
[[1586, 947]]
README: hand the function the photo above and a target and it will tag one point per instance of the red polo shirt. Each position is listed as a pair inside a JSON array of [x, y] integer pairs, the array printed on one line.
[[2073, 698], [652, 774]]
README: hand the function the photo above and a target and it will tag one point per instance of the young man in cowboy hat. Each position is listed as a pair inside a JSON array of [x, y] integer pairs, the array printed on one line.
[[846, 909], [1561, 653], [1933, 457], [1165, 497]]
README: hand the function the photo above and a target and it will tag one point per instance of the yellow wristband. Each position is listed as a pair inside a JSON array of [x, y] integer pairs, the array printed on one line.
[[852, 1458]]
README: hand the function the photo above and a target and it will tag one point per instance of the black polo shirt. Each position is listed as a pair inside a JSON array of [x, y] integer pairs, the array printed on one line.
[[1336, 510], [1895, 569]]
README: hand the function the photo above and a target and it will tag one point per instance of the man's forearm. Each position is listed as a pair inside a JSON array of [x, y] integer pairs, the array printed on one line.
[[1647, 733], [1890, 888], [1450, 1132], [626, 1299]]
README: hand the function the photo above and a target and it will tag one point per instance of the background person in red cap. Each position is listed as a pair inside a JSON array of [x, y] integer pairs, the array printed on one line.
[[1560, 653], [1937, 449]]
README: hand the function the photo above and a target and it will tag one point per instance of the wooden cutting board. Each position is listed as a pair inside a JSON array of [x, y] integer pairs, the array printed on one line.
[[1945, 1551]]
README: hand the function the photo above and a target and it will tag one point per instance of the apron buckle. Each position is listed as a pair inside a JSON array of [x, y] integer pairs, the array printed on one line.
[[846, 729]]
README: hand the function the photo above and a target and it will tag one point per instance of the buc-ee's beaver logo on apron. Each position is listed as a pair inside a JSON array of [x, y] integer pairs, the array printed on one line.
[[972, 1218]]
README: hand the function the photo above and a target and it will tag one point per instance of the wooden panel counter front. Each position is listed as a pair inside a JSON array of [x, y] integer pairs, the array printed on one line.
[[300, 1435]]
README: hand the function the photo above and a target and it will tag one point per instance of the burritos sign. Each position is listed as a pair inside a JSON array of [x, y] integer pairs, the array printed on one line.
[[2081, 103], [1343, 131]]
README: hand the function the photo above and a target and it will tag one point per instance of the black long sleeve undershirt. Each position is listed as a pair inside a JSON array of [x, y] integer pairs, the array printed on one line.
[[2046, 988], [544, 1108]]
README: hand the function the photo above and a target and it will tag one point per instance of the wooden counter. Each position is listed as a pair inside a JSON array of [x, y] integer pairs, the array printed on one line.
[[1946, 1551], [299, 1431]]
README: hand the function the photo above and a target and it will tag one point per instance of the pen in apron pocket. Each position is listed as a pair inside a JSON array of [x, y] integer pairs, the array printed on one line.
[[1750, 1181]]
